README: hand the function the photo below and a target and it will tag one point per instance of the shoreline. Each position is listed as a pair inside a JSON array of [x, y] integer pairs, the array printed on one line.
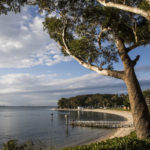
[[119, 132]]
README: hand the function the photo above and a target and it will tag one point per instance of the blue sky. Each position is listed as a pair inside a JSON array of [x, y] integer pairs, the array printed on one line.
[[34, 72]]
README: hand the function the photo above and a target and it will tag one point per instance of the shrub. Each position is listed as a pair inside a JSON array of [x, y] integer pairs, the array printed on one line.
[[14, 145], [124, 143]]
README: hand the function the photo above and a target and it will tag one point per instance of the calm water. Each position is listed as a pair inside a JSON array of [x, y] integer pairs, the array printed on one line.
[[37, 125]]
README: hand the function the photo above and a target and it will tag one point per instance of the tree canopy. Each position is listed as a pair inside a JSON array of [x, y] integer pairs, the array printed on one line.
[[90, 30], [95, 101]]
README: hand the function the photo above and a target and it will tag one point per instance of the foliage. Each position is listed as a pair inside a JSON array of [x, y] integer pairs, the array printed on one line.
[[98, 100], [84, 49], [146, 93], [11, 5], [124, 143], [95, 100], [14, 145], [83, 32], [144, 5], [85, 21]]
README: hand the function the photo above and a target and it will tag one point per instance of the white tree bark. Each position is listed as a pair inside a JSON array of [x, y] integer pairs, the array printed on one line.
[[148, 1], [138, 11]]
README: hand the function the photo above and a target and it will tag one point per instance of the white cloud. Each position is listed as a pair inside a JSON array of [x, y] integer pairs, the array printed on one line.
[[23, 43], [27, 89]]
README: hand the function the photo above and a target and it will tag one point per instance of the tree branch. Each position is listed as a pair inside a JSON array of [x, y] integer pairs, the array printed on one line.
[[134, 62], [122, 52], [29, 2], [138, 11], [148, 1], [105, 72], [140, 43], [100, 36], [134, 31]]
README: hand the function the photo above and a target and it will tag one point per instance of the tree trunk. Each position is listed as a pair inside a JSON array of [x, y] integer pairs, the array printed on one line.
[[141, 118]]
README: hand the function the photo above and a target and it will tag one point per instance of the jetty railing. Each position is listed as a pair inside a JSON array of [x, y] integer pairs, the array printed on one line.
[[102, 124]]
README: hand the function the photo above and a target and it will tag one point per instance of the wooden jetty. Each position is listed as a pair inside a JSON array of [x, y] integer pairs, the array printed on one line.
[[102, 124]]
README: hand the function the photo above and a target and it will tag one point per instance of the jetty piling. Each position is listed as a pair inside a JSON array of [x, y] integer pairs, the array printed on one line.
[[102, 124]]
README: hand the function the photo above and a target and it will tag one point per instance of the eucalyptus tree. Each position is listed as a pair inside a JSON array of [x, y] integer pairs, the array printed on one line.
[[98, 36], [98, 33]]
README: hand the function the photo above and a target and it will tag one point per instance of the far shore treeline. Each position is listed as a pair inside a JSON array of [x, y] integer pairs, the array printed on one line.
[[98, 100]]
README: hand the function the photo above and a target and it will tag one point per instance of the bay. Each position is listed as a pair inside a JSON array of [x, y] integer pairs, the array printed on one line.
[[37, 124]]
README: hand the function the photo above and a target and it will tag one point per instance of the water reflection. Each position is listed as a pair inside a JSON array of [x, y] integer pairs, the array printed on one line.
[[67, 130], [78, 112]]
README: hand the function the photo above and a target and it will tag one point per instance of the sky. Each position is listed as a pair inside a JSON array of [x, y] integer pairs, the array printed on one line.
[[33, 72]]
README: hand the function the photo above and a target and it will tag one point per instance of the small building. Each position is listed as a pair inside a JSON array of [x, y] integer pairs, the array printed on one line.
[[80, 108]]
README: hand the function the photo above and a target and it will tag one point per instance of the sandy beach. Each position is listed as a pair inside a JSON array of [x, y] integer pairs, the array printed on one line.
[[120, 132]]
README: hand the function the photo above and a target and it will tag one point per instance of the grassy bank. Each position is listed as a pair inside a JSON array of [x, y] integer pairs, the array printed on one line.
[[129, 142]]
